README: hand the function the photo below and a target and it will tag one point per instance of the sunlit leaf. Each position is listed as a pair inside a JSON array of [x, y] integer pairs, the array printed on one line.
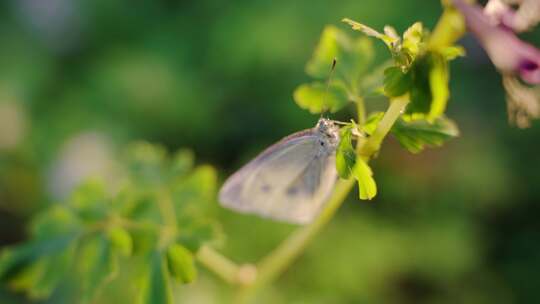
[[353, 56], [120, 240], [452, 52], [412, 39], [438, 81], [316, 98], [415, 135], [388, 40], [366, 184], [181, 263], [345, 155]]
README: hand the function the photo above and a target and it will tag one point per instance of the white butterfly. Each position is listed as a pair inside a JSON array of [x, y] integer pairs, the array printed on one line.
[[289, 181]]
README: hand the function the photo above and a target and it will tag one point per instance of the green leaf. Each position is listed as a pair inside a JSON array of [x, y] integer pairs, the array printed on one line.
[[181, 263], [193, 193], [404, 51], [420, 92], [372, 122], [56, 220], [345, 155], [315, 98], [89, 201], [26, 278], [14, 259], [438, 82], [38, 266], [415, 135], [366, 184], [199, 232], [396, 82], [182, 162], [156, 288], [194, 198], [56, 267], [145, 163], [99, 264], [452, 52], [120, 240], [389, 40], [353, 56], [412, 40]]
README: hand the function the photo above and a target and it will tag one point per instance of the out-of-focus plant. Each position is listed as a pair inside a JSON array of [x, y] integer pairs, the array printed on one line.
[[159, 212]]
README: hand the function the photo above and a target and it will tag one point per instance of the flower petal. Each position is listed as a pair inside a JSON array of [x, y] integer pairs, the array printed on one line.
[[507, 52]]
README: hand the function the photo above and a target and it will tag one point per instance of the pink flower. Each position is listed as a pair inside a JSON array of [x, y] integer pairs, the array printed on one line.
[[494, 29]]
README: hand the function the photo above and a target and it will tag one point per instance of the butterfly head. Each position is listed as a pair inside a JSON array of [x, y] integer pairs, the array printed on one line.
[[329, 131]]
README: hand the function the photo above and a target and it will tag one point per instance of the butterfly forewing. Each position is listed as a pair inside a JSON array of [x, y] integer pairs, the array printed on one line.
[[289, 181]]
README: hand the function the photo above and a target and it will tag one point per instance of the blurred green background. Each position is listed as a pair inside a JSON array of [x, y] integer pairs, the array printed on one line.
[[80, 79]]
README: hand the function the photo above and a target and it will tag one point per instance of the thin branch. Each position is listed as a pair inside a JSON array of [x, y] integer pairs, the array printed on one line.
[[219, 264], [396, 108]]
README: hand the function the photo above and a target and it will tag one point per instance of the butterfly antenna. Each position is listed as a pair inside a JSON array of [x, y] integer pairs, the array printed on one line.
[[325, 108]]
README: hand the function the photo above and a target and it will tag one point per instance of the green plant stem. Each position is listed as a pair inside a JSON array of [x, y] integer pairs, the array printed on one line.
[[449, 28], [373, 143], [168, 214], [361, 110], [280, 258], [219, 264]]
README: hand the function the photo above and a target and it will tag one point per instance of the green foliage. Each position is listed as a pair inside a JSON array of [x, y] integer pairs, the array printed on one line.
[[371, 123], [181, 263], [315, 97], [414, 135], [160, 203], [419, 75], [157, 284], [418, 70], [349, 164], [99, 265], [366, 184], [345, 154], [396, 82], [353, 57]]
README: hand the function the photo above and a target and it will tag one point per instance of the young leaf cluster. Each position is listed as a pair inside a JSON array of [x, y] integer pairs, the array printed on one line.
[[158, 216], [419, 70], [353, 56], [418, 74], [416, 134]]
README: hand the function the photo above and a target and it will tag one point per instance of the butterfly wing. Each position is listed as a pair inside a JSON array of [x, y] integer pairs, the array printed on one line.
[[302, 200], [289, 181]]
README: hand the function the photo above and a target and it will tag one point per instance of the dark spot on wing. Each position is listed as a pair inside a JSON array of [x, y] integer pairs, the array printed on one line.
[[266, 188], [293, 191]]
